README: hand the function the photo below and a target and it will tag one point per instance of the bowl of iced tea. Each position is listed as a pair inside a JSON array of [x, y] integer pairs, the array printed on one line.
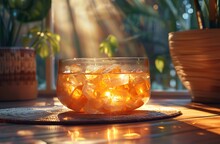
[[104, 85]]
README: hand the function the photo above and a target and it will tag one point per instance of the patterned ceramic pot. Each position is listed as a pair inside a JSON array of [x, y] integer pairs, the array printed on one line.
[[17, 74]]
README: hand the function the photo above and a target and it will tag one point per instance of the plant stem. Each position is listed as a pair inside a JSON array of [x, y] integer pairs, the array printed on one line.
[[2, 31], [10, 30], [4, 42], [17, 33], [199, 15], [38, 36]]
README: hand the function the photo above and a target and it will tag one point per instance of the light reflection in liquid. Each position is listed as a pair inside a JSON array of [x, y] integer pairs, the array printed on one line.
[[75, 135], [112, 134], [200, 133], [28, 137], [131, 135], [161, 127], [24, 133], [107, 135]]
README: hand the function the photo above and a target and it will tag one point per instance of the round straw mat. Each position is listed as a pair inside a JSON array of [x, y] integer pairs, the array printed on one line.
[[59, 115]]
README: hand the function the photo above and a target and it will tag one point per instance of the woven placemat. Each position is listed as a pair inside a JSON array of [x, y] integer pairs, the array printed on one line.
[[59, 115]]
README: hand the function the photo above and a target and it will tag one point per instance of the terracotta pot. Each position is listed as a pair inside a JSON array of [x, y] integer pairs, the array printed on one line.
[[196, 55], [17, 74]]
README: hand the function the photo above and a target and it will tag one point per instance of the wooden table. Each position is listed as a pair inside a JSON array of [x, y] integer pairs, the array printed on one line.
[[197, 124]]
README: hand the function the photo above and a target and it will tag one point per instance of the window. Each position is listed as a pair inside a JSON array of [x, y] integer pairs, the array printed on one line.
[[141, 28]]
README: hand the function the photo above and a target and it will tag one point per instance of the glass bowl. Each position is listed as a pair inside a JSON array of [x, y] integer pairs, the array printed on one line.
[[104, 85]]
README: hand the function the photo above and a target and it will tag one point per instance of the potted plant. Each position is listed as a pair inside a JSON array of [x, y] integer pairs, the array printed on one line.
[[17, 51], [196, 53]]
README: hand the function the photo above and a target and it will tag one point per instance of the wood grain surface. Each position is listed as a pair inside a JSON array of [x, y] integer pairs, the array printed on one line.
[[198, 124]]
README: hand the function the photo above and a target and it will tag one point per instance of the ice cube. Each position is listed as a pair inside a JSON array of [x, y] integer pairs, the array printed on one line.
[[81, 79], [71, 79], [114, 100], [94, 103], [77, 93], [93, 106], [71, 96], [74, 80], [113, 108], [66, 83], [141, 84], [134, 104], [97, 84], [89, 90], [127, 68], [114, 80], [94, 71], [78, 104], [115, 68], [63, 93], [77, 99], [74, 68]]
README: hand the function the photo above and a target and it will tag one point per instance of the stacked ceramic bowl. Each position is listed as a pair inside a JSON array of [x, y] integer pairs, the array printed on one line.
[[196, 58]]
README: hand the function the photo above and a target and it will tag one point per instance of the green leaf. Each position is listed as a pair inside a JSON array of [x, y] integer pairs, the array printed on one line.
[[45, 42], [54, 40], [28, 10], [109, 46], [105, 48], [43, 49], [32, 37], [112, 41], [19, 4], [34, 30], [160, 64]]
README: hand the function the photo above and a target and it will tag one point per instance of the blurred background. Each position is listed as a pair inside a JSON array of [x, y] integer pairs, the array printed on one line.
[[141, 28]]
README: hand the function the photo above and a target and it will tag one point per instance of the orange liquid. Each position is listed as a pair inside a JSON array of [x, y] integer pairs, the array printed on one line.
[[103, 93]]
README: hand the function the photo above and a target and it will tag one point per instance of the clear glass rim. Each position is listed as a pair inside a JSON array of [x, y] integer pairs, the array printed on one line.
[[140, 63], [105, 58]]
